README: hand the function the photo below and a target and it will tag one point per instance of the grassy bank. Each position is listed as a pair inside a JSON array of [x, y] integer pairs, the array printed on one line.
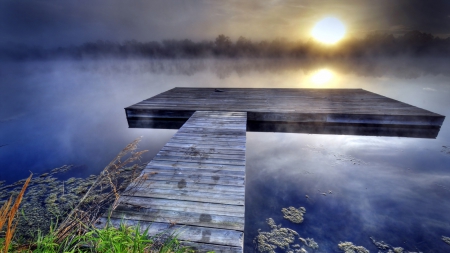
[[34, 226]]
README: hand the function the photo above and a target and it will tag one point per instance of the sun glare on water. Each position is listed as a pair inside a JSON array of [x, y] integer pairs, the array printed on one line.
[[322, 76], [328, 31]]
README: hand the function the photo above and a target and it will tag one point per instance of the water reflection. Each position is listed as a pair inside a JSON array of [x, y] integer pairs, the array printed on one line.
[[322, 76], [393, 189], [387, 188]]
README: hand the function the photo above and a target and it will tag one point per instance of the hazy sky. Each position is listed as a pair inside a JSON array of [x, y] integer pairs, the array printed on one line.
[[65, 22]]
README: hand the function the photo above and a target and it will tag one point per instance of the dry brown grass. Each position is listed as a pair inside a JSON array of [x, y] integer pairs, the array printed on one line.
[[8, 215], [104, 193]]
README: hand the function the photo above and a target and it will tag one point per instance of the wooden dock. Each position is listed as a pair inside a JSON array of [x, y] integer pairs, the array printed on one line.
[[321, 111], [195, 185]]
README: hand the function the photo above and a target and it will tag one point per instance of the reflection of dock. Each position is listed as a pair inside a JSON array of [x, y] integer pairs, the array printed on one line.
[[196, 182]]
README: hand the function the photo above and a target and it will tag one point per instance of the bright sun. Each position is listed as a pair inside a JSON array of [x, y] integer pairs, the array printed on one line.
[[328, 30]]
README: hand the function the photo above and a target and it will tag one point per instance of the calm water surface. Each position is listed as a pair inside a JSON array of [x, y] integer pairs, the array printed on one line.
[[393, 189]]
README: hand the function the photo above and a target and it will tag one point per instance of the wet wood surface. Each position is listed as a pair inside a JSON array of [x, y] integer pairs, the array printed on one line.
[[195, 186]]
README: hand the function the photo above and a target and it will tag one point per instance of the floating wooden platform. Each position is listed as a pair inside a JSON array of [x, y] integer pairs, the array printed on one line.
[[195, 185], [326, 111]]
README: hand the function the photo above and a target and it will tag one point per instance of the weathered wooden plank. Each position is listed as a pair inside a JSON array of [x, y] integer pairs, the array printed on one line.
[[196, 146], [225, 144], [232, 120], [182, 206], [189, 195], [195, 165], [153, 170], [185, 233], [230, 189], [207, 247], [199, 159], [180, 218], [169, 171], [188, 154], [200, 178], [210, 145], [218, 138], [236, 132], [206, 137], [199, 151]]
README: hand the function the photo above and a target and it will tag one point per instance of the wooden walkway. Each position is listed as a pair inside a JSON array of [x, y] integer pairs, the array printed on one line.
[[195, 185]]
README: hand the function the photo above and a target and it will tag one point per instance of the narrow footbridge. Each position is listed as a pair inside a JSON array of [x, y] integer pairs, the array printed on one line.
[[195, 185]]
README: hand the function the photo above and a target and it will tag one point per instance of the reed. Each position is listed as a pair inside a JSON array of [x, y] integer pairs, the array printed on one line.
[[104, 193], [8, 215]]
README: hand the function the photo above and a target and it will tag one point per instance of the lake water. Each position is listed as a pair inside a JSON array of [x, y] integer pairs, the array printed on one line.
[[393, 189]]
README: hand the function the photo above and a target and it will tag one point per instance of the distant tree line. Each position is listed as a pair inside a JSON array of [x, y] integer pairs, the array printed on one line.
[[413, 43]]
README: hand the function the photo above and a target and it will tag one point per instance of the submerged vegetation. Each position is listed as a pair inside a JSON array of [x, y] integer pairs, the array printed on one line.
[[46, 201], [79, 203], [348, 247], [284, 238], [280, 238], [293, 214], [446, 239]]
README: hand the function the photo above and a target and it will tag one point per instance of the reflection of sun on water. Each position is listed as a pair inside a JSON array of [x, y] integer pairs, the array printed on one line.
[[322, 76]]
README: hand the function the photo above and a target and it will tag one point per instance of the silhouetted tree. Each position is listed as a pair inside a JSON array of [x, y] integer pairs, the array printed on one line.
[[375, 44]]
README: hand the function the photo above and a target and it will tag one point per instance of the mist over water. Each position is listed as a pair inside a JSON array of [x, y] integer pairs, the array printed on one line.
[[394, 189]]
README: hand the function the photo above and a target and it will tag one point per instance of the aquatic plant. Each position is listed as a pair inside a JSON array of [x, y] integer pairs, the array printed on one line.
[[293, 214], [397, 249], [446, 239], [384, 247], [8, 214], [381, 245], [46, 201], [311, 243], [277, 237], [348, 247], [282, 238]]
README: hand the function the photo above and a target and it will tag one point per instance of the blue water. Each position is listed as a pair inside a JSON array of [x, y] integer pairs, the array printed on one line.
[[394, 189]]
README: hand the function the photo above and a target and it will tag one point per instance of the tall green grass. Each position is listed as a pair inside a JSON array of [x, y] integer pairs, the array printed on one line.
[[109, 239]]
